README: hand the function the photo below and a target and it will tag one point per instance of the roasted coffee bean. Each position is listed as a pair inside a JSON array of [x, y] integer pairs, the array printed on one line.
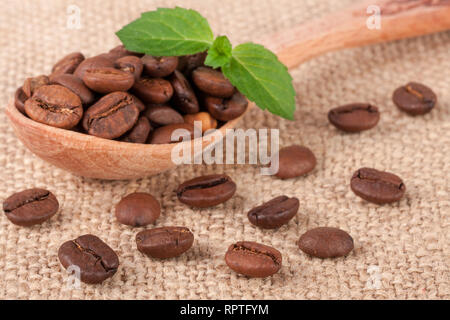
[[226, 109], [140, 105], [107, 80], [32, 84], [164, 242], [184, 98], [19, 100], [94, 258], [377, 186], [163, 135], [159, 67], [111, 116], [187, 64], [139, 133], [415, 98], [77, 86], [130, 64], [204, 118], [30, 207], [295, 161], [155, 91], [160, 115], [274, 213], [68, 64], [120, 52], [212, 82], [253, 259], [326, 242], [206, 191], [56, 106], [92, 63], [354, 117], [138, 209]]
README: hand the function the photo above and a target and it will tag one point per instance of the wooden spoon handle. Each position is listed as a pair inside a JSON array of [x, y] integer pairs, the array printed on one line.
[[350, 28]]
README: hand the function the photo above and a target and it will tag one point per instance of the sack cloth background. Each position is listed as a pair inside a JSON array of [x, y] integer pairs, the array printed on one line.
[[401, 250]]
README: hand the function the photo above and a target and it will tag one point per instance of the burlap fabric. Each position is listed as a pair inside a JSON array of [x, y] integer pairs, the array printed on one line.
[[401, 250]]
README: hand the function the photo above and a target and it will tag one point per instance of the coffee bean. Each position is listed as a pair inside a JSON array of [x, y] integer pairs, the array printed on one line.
[[354, 117], [295, 161], [120, 52], [30, 207], [326, 242], [76, 86], [159, 67], [160, 115], [68, 64], [139, 104], [253, 259], [92, 63], [164, 242], [107, 80], [206, 191], [184, 98], [138, 209], [274, 213], [207, 122], [226, 109], [94, 258], [111, 116], [139, 133], [130, 64], [56, 106], [19, 100], [187, 64], [212, 82], [377, 186], [163, 135], [32, 84], [415, 98], [153, 90]]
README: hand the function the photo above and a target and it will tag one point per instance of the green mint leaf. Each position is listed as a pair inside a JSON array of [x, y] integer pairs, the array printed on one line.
[[168, 32], [262, 78], [220, 53]]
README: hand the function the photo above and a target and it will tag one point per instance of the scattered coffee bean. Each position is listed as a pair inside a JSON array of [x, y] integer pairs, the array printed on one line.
[[295, 161], [107, 80], [68, 64], [206, 191], [207, 122], [163, 135], [130, 64], [354, 117], [187, 64], [184, 98], [92, 63], [164, 242], [159, 67], [32, 84], [212, 82], [139, 133], [19, 99], [160, 115], [120, 51], [377, 186], [155, 91], [274, 213], [253, 259], [326, 242], [226, 109], [56, 106], [94, 258], [138, 209], [76, 86], [415, 98]]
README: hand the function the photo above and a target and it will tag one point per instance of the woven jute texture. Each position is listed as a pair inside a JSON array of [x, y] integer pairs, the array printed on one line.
[[401, 250]]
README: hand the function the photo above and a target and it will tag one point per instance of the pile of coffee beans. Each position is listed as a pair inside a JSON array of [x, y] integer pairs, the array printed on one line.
[[131, 97]]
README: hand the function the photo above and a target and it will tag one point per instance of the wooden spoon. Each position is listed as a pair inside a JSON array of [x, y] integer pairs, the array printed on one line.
[[94, 157]]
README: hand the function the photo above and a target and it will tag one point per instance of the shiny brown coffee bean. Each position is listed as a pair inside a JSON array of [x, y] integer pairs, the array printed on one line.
[[139, 133], [253, 259], [32, 84], [138, 209], [95, 260], [130, 64], [415, 98], [212, 82], [92, 63], [187, 64], [206, 191], [295, 161], [161, 115], [204, 118], [326, 242], [274, 213], [354, 117], [30, 207], [76, 86], [226, 109], [68, 64], [107, 80], [155, 91], [120, 52], [19, 100], [111, 116], [376, 186], [159, 67], [56, 106], [184, 98], [164, 242], [163, 135]]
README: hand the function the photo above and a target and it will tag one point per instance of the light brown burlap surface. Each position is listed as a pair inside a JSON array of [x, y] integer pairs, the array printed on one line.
[[401, 250]]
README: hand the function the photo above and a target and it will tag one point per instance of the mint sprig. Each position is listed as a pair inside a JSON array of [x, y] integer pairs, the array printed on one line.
[[252, 69]]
